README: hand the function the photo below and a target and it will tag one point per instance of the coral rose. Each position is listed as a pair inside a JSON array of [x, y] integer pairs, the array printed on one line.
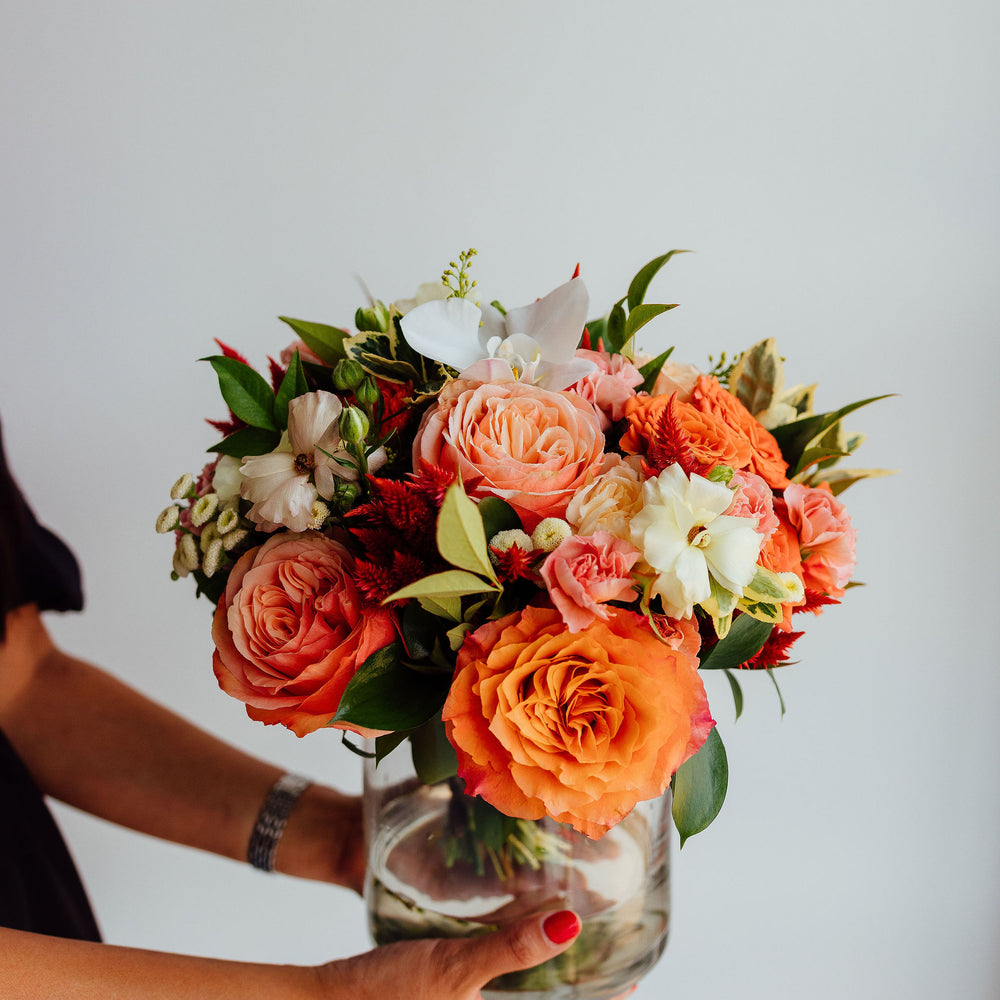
[[578, 727], [531, 446], [584, 572], [292, 629], [765, 454], [827, 538]]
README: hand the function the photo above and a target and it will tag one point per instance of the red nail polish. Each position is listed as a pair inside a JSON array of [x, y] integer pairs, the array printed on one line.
[[562, 926]]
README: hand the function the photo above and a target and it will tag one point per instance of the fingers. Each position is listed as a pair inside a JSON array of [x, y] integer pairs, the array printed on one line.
[[520, 946]]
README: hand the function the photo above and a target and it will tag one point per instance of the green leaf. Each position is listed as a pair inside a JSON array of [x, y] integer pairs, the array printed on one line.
[[247, 441], [640, 283], [461, 538], [840, 479], [699, 787], [652, 369], [774, 681], [497, 515], [814, 456], [744, 641], [614, 335], [641, 315], [384, 694], [434, 758], [737, 693], [449, 608], [384, 745], [245, 392], [794, 438], [292, 385], [326, 342], [420, 630], [438, 586]]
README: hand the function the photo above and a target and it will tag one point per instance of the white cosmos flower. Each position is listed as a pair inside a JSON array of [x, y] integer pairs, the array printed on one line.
[[534, 343], [686, 539], [283, 484]]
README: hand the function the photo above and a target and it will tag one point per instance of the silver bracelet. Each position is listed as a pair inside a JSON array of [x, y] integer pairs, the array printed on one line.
[[272, 818]]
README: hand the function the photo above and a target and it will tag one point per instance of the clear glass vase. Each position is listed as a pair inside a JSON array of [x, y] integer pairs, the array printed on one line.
[[419, 885]]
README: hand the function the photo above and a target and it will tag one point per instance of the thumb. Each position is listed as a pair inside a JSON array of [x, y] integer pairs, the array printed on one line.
[[522, 945]]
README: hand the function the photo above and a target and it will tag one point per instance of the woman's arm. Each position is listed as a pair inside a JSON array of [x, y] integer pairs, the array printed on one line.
[[35, 967], [95, 743]]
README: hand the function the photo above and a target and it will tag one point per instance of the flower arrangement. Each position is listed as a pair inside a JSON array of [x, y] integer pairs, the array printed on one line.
[[514, 541]]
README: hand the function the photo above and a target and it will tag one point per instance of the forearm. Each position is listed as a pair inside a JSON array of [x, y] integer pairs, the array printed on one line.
[[35, 967], [95, 743]]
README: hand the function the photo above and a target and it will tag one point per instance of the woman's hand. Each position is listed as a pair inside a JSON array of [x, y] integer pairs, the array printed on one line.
[[452, 968]]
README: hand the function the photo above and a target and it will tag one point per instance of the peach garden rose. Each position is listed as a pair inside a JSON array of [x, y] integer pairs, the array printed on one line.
[[580, 727], [291, 629], [533, 447]]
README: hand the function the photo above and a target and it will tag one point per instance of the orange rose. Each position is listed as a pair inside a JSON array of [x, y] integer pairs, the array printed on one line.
[[291, 630], [709, 437], [533, 447], [765, 455], [580, 727]]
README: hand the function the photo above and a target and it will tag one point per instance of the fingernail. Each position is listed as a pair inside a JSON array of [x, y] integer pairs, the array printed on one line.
[[562, 926]]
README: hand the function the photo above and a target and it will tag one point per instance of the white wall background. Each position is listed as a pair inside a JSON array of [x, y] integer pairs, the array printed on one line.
[[173, 172]]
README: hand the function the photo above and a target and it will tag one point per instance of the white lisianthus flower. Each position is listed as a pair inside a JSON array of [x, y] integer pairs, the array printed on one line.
[[686, 539], [283, 484], [228, 479], [534, 343]]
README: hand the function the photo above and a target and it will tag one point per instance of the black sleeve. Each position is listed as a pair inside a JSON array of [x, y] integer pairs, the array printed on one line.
[[35, 566]]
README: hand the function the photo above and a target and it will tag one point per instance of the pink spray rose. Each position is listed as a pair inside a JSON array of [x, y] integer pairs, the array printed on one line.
[[609, 387], [583, 572], [292, 629], [533, 447], [826, 537]]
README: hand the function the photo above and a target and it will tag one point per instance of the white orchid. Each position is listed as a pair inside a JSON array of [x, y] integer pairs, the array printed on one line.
[[534, 343], [284, 484], [688, 541]]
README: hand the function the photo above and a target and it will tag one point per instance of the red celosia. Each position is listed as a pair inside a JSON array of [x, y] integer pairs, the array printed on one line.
[[231, 352], [669, 444], [514, 564], [815, 602], [774, 652], [277, 373]]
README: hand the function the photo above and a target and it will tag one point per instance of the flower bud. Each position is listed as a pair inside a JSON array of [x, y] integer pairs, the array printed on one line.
[[187, 553], [353, 425], [375, 318], [168, 519], [345, 494], [227, 520], [347, 375], [182, 487], [212, 558], [204, 510], [367, 393]]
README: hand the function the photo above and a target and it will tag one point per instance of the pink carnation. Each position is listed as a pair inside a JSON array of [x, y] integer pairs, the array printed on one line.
[[584, 572], [609, 387], [826, 538], [754, 498]]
